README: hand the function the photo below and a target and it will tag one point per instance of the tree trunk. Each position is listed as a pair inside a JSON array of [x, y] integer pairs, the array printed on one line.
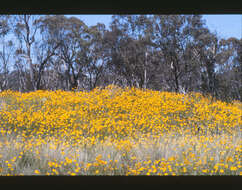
[[39, 76], [211, 77], [28, 46], [145, 72]]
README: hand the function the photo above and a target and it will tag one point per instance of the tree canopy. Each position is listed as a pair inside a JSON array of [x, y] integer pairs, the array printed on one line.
[[161, 52]]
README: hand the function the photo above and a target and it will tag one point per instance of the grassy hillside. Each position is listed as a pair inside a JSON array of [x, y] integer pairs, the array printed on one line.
[[115, 131]]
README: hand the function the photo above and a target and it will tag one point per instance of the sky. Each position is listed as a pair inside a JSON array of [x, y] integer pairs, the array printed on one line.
[[224, 25]]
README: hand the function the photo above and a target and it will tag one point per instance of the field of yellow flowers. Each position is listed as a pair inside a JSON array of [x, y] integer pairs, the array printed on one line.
[[118, 131]]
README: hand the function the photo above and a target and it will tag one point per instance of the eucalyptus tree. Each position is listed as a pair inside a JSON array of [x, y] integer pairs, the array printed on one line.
[[25, 29], [130, 50], [230, 69], [94, 54], [173, 36], [48, 46], [6, 50]]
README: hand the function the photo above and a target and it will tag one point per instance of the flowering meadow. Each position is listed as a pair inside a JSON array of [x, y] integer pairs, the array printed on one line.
[[118, 131]]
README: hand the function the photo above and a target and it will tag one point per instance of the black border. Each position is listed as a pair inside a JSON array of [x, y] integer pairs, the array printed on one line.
[[144, 180], [120, 7]]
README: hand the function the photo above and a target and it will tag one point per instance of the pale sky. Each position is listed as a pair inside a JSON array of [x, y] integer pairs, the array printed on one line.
[[224, 25]]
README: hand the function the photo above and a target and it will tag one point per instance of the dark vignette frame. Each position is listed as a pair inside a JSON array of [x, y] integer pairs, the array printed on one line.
[[119, 7]]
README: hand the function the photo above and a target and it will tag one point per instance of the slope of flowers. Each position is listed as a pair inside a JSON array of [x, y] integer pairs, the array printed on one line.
[[119, 131]]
